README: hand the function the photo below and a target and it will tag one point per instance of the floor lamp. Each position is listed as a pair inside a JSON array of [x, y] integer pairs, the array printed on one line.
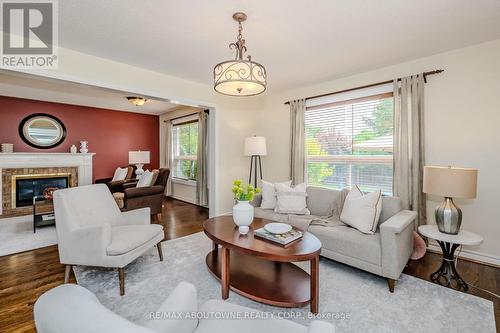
[[255, 147]]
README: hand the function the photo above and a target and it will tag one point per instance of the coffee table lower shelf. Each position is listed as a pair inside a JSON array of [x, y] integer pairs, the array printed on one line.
[[280, 284]]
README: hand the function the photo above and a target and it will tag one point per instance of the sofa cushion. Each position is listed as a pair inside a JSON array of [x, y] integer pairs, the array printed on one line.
[[268, 200], [322, 201], [126, 238], [269, 214], [251, 325], [120, 174], [291, 200], [349, 242], [362, 211], [390, 207]]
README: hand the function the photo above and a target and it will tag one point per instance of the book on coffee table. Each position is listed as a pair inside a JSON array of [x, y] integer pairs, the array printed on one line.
[[282, 239]]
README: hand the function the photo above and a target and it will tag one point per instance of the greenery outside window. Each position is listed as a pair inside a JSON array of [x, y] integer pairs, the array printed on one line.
[[351, 142], [185, 150]]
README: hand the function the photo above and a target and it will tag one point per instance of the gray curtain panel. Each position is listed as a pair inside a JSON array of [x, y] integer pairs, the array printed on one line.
[[409, 144], [202, 158], [168, 155], [297, 141]]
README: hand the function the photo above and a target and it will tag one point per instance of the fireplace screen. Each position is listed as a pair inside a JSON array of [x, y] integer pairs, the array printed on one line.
[[26, 187]]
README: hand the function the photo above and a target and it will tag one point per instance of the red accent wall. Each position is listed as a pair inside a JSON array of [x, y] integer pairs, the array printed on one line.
[[111, 134]]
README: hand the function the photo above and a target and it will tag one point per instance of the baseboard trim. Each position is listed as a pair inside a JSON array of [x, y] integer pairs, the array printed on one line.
[[187, 200], [477, 257]]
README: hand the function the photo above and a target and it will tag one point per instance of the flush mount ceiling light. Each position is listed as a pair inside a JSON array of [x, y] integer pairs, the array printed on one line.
[[239, 77], [136, 100]]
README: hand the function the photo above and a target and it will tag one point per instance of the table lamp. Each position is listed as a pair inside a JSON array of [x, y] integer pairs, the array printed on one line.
[[139, 158], [449, 182], [255, 147]]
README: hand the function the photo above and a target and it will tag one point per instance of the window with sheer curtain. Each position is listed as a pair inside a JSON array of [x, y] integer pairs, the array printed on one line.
[[350, 142], [184, 150]]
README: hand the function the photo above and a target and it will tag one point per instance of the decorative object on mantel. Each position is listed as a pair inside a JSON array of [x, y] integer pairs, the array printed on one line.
[[243, 211], [7, 148], [138, 158], [73, 149], [255, 147], [450, 182], [84, 149], [239, 77], [42, 131]]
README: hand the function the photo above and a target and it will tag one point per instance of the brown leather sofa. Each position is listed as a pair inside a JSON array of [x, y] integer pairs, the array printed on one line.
[[118, 185], [141, 197]]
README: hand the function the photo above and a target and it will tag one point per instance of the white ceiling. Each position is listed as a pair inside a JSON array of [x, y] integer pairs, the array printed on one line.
[[44, 89], [298, 41]]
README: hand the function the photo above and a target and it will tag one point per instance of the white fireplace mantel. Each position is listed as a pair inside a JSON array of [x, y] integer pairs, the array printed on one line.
[[47, 160]]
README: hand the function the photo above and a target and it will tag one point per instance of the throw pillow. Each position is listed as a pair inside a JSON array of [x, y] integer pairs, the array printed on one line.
[[146, 179], [291, 200], [156, 173], [120, 174], [269, 194], [362, 211]]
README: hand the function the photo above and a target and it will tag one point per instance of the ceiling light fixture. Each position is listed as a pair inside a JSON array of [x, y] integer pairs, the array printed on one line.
[[239, 77], [136, 100]]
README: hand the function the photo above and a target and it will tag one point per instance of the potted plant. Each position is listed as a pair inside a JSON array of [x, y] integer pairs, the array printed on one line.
[[243, 211]]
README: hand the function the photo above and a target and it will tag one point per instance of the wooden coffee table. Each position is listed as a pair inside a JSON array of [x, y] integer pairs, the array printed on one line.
[[261, 270]]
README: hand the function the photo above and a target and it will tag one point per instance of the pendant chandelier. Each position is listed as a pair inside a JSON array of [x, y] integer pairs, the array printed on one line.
[[239, 77]]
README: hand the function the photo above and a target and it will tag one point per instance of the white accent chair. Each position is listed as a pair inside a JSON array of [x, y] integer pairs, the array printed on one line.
[[71, 308], [92, 231]]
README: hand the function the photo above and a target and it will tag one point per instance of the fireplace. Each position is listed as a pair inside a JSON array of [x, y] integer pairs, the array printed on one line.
[[25, 187]]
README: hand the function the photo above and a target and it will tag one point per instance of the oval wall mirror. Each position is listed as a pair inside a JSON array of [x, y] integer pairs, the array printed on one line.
[[42, 131]]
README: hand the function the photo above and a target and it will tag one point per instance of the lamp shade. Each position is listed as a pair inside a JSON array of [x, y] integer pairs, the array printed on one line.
[[255, 145], [450, 181], [138, 157]]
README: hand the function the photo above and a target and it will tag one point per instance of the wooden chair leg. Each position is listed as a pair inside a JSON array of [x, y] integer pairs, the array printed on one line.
[[121, 276], [160, 252], [391, 283], [67, 272]]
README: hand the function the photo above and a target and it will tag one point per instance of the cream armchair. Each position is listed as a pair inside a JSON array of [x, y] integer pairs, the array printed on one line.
[[92, 231], [71, 308]]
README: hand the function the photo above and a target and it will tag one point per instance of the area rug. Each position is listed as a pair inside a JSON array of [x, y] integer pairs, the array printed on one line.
[[355, 300], [16, 235]]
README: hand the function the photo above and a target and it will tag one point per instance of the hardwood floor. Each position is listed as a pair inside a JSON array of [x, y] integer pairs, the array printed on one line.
[[25, 276]]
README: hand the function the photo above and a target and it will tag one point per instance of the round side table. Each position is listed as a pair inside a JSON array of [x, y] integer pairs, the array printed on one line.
[[447, 273]]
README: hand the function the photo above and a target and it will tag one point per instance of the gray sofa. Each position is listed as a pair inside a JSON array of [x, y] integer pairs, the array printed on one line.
[[384, 253]]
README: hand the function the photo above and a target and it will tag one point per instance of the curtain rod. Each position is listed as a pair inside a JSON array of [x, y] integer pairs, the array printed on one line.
[[186, 115], [437, 71]]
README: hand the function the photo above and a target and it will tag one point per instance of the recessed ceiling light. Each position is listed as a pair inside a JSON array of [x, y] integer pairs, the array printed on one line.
[[173, 101], [136, 100]]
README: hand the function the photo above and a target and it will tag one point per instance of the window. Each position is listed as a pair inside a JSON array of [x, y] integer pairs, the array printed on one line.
[[185, 148], [350, 142]]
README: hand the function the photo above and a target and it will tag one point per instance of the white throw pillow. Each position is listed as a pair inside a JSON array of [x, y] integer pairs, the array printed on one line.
[[146, 179], [362, 211], [269, 194], [291, 200], [120, 174]]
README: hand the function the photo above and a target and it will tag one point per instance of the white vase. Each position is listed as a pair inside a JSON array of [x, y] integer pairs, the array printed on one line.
[[73, 149], [243, 216]]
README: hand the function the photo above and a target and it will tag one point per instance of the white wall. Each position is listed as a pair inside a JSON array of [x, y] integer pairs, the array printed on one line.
[[462, 118], [234, 117]]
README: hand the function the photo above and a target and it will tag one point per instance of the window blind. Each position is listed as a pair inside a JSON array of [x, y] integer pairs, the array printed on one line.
[[350, 142], [185, 148]]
